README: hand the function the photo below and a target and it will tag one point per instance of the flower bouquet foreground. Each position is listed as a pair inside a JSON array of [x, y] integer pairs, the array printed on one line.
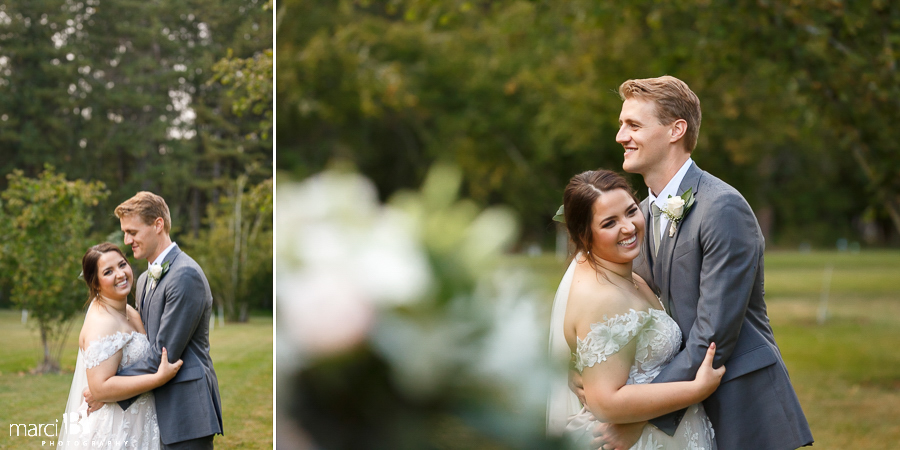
[[397, 325]]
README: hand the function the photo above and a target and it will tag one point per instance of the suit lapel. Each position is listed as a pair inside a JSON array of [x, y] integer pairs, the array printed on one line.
[[646, 246], [656, 266], [691, 181], [645, 263], [170, 258], [139, 295]]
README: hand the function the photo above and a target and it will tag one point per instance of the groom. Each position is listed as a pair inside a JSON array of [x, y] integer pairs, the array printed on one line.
[[706, 265], [175, 304]]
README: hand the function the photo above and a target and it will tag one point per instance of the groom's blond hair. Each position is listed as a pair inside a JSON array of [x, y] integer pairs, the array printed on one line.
[[673, 99], [148, 206]]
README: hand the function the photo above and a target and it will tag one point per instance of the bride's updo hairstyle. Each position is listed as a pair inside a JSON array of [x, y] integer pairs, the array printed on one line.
[[89, 266], [578, 204]]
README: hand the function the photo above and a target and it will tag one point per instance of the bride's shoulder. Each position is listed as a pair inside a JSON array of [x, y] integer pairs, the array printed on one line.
[[596, 302], [97, 324], [588, 289]]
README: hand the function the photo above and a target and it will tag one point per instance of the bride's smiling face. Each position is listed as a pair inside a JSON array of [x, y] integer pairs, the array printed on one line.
[[617, 227], [114, 276]]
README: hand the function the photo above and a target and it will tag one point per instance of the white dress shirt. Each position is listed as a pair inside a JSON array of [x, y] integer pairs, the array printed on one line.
[[162, 256], [151, 283], [670, 189]]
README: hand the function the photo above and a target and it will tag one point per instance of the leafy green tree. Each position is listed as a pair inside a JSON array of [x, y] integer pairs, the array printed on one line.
[[229, 138], [45, 231], [521, 95], [250, 83], [36, 71], [844, 62], [119, 92], [235, 250]]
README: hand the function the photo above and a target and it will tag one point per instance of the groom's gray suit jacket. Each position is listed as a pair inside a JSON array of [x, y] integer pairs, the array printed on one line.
[[176, 316], [710, 277]]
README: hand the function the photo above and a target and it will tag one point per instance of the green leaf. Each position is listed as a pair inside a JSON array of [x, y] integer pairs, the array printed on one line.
[[688, 198], [560, 215]]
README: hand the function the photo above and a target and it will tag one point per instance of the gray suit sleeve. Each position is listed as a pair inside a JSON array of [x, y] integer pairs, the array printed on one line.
[[183, 310], [731, 249]]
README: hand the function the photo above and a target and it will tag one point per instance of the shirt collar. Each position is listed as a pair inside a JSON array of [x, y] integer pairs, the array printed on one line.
[[162, 256], [672, 187]]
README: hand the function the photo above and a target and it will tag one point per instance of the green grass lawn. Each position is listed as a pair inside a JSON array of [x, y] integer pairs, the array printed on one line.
[[847, 371], [242, 357]]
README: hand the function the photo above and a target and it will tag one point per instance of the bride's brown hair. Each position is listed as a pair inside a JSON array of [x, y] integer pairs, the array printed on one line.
[[89, 266], [578, 204]]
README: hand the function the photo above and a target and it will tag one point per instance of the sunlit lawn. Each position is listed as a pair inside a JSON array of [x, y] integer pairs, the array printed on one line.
[[847, 371], [242, 357]]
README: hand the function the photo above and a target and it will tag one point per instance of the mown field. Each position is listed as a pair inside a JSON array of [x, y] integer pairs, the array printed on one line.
[[242, 357], [847, 370]]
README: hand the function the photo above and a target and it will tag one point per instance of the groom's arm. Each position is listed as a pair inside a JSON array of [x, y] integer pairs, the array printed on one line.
[[183, 310], [731, 248]]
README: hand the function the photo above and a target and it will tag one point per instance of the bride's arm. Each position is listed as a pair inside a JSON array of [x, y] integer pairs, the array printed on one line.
[[103, 384], [606, 393], [611, 400], [106, 387]]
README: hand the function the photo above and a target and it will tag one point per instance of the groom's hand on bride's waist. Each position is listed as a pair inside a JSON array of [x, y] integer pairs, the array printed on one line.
[[576, 385], [93, 405], [616, 436]]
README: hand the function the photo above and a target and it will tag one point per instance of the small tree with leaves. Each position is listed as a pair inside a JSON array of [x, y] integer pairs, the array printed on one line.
[[45, 224]]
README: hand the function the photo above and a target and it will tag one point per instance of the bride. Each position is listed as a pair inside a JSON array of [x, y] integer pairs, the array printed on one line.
[[111, 338], [616, 330]]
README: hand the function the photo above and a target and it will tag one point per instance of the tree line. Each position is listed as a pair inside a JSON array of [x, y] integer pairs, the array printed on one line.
[[100, 100], [798, 100]]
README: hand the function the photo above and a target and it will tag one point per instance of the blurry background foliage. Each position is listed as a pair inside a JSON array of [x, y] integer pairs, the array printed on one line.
[[799, 100], [170, 96]]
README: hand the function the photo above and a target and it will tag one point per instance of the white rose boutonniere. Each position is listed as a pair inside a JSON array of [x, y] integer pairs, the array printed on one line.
[[676, 208], [157, 271]]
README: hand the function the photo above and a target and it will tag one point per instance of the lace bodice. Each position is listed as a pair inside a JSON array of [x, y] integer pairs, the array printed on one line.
[[135, 428], [658, 340], [134, 346]]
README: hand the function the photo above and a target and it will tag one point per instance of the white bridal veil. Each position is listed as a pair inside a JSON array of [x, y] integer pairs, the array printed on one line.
[[76, 408], [562, 402]]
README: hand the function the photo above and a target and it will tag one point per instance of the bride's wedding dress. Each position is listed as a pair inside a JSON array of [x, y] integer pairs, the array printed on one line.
[[110, 426], [658, 341]]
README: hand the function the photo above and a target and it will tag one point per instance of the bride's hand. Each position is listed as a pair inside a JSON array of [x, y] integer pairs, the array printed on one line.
[[166, 369], [707, 378]]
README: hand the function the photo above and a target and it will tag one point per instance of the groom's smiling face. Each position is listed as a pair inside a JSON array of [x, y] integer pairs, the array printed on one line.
[[144, 239], [645, 139]]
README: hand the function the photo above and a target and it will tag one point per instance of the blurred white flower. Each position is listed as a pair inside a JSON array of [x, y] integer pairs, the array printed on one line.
[[315, 216], [514, 350], [341, 256], [413, 287], [321, 314], [486, 238], [389, 262]]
